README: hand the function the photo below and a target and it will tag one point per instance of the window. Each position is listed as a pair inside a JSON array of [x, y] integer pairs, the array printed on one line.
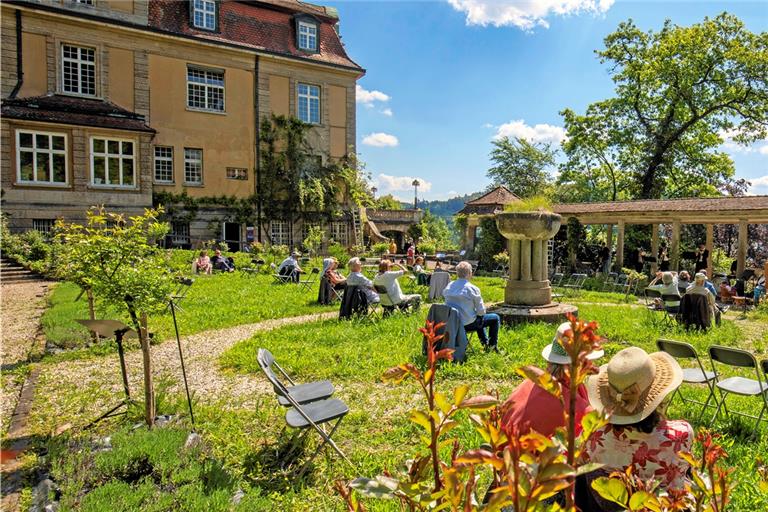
[[41, 157], [204, 14], [237, 173], [78, 70], [113, 162], [309, 103], [163, 164], [280, 232], [179, 233], [84, 2], [307, 36], [43, 225], [193, 166], [205, 89], [339, 232]]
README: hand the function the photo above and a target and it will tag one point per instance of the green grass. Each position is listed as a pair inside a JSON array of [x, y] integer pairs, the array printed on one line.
[[213, 302]]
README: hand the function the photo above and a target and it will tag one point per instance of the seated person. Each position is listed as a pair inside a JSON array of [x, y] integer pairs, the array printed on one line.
[[530, 407], [708, 284], [331, 273], [699, 287], [465, 297], [203, 263], [422, 276], [219, 262], [356, 278], [634, 389], [759, 289], [727, 292], [683, 281], [388, 279], [290, 267], [668, 286], [439, 267]]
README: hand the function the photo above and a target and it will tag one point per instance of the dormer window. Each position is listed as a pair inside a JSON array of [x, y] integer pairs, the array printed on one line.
[[204, 14], [307, 35]]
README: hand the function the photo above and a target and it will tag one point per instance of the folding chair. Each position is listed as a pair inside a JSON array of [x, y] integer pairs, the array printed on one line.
[[575, 284], [387, 305], [306, 284], [312, 414], [681, 350], [672, 312], [652, 307], [185, 283], [738, 385], [302, 393]]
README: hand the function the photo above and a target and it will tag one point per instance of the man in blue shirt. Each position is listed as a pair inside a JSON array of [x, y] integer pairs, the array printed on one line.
[[466, 298]]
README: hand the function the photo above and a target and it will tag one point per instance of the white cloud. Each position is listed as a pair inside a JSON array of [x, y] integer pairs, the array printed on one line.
[[387, 112], [524, 14], [759, 185], [388, 184], [536, 133], [380, 140], [763, 150], [731, 146], [368, 98]]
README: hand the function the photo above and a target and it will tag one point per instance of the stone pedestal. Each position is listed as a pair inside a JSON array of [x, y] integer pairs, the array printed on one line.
[[528, 296]]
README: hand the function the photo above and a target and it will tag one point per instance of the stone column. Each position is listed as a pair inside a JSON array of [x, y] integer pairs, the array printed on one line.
[[674, 246], [514, 259], [710, 245], [741, 254], [620, 247], [655, 247]]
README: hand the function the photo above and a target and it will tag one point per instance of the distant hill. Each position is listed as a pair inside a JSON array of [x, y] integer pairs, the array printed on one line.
[[446, 208]]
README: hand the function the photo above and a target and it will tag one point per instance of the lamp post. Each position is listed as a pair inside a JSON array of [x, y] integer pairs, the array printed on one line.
[[415, 194], [373, 191]]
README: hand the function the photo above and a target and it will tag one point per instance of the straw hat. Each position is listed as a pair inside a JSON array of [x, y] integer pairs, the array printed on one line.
[[555, 353], [633, 384]]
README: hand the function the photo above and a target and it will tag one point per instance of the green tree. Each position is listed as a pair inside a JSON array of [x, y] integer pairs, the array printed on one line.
[[438, 231], [118, 260], [521, 166], [678, 91], [388, 202]]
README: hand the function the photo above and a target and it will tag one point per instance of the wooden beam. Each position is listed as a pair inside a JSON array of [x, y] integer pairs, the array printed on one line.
[[620, 247], [674, 246], [710, 243], [654, 247], [741, 254]]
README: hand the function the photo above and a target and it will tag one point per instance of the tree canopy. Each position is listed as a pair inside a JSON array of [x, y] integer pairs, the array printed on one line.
[[679, 92], [521, 165]]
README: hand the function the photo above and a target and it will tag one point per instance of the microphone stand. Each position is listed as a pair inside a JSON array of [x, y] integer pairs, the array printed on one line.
[[181, 358]]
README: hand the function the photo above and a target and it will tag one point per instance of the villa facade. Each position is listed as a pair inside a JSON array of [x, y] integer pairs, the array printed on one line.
[[110, 102]]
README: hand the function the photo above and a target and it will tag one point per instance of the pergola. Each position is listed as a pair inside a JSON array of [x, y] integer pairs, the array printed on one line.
[[484, 206], [740, 211]]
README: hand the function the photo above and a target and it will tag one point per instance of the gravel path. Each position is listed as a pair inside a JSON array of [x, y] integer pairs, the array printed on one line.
[[63, 382], [22, 304]]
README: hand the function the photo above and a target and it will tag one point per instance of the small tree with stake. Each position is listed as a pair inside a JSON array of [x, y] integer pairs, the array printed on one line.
[[118, 259]]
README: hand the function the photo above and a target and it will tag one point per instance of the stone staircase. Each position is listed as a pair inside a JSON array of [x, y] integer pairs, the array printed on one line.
[[12, 273]]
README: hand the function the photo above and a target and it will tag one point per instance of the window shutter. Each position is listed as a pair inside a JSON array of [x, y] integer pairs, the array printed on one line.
[[191, 12], [218, 16]]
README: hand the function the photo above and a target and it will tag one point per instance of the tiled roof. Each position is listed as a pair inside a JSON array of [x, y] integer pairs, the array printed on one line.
[[712, 204], [490, 202], [60, 109], [266, 26]]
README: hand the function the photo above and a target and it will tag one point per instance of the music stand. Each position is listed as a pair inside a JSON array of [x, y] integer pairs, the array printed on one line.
[[107, 329]]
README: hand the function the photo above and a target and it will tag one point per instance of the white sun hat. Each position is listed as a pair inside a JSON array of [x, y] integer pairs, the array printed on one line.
[[555, 353]]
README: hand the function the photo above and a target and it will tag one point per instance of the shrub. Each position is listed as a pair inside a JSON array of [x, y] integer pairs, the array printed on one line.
[[339, 252], [427, 246], [531, 204], [490, 243], [380, 248]]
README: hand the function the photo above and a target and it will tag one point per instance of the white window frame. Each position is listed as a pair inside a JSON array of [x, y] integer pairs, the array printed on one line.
[[44, 226], [237, 173], [281, 235], [81, 64], [35, 151], [308, 31], [199, 6], [84, 2], [206, 87], [110, 156], [339, 232], [193, 161], [165, 159], [308, 98]]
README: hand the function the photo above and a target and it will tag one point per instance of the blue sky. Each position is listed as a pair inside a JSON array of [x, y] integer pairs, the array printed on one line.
[[445, 77]]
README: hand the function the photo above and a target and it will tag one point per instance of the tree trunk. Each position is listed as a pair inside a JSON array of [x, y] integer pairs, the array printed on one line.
[[91, 311], [149, 394]]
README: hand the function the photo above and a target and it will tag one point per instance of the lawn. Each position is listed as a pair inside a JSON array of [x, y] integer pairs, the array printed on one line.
[[245, 434]]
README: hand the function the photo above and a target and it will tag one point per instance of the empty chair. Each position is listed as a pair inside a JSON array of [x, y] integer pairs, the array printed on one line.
[[695, 375], [306, 284], [301, 393], [738, 385]]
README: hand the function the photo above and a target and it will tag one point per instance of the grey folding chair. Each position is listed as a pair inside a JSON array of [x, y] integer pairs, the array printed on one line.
[[695, 375], [654, 310], [306, 415], [306, 284], [738, 385], [302, 393], [185, 283]]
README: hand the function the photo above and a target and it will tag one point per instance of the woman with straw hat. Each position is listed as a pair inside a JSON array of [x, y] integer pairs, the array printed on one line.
[[534, 408], [633, 389]]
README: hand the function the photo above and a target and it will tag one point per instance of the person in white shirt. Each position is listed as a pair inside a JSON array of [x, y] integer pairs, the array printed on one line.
[[290, 267], [466, 298], [668, 286], [356, 278], [388, 279]]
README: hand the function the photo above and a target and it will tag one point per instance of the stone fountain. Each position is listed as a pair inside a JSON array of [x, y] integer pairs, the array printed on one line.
[[528, 296]]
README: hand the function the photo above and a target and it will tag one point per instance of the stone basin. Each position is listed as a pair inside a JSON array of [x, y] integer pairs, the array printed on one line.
[[528, 225]]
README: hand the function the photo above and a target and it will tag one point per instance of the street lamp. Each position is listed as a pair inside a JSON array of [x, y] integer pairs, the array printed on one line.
[[415, 194], [373, 191]]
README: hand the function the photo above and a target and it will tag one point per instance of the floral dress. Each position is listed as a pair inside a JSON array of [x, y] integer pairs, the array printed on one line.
[[653, 455]]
